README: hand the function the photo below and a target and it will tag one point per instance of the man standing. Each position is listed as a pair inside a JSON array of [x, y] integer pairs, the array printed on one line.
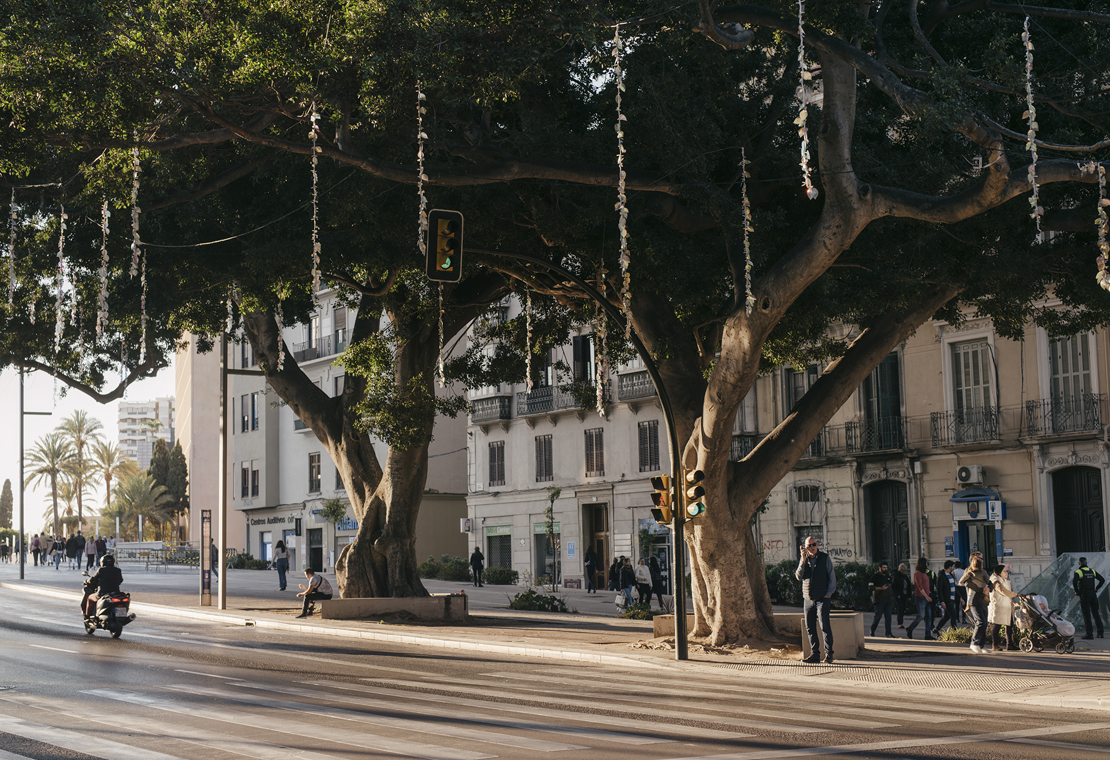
[[1087, 583], [815, 571], [477, 565], [884, 598], [590, 566]]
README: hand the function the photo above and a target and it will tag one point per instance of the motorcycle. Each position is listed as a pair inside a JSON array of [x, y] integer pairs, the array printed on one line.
[[112, 614]]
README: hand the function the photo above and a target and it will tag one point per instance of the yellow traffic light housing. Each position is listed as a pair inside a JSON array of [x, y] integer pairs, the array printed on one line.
[[695, 493], [661, 498], [445, 245]]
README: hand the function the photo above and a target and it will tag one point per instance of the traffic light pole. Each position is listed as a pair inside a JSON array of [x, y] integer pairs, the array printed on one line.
[[679, 511]]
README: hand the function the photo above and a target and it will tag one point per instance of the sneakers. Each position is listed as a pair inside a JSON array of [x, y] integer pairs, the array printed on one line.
[[977, 649], [813, 659], [829, 660]]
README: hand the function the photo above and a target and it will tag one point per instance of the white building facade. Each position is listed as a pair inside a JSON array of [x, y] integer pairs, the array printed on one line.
[[141, 423]]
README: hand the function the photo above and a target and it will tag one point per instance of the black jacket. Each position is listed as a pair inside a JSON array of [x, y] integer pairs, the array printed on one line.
[[1084, 581], [477, 560], [903, 586], [106, 580], [628, 577]]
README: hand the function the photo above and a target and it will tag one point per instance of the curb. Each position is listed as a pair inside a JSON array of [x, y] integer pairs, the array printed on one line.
[[567, 655]]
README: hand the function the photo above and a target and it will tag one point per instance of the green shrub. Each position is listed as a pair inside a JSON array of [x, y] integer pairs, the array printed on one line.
[[240, 561], [428, 569], [446, 568], [257, 564], [530, 599], [500, 576], [852, 592], [638, 611], [957, 635]]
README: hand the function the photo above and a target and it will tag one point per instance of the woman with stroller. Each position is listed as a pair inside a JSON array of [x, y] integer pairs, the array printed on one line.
[[978, 588], [1001, 611]]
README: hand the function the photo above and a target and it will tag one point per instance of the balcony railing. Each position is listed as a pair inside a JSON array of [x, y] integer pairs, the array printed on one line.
[[742, 445], [489, 409], [329, 345], [546, 400], [1074, 414], [298, 425], [635, 385], [878, 434], [965, 426]]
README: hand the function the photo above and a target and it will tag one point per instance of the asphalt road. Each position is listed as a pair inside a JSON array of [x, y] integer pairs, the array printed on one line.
[[190, 690]]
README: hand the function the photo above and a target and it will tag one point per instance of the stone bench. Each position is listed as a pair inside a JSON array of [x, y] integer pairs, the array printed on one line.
[[847, 629], [451, 608]]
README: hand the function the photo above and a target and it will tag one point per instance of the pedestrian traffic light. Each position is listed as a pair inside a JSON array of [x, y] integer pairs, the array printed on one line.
[[445, 245], [695, 493], [661, 499]]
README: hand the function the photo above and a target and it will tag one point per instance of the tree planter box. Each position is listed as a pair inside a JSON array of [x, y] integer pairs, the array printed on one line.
[[847, 631], [663, 625], [438, 607]]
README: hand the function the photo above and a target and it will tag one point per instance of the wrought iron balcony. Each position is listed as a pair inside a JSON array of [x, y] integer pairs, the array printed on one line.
[[489, 409], [1065, 414], [635, 385], [742, 445], [878, 434], [965, 426], [329, 345], [546, 400]]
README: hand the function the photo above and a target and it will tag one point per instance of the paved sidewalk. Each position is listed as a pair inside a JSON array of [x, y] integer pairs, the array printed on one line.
[[595, 635]]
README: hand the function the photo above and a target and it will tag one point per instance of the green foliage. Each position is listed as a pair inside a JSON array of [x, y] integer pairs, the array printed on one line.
[[177, 480], [955, 635], [852, 592], [637, 611], [333, 510], [500, 576], [245, 561], [160, 463], [447, 568], [6, 504], [532, 600]]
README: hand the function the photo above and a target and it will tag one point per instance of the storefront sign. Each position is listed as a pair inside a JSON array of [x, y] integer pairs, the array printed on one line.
[[542, 528], [499, 530], [949, 547], [347, 523], [267, 520], [996, 510]]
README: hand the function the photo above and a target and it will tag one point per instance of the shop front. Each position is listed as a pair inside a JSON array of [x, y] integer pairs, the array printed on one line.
[[977, 516]]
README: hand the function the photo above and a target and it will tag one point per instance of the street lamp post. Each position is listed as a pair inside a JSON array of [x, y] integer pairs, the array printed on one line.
[[22, 528]]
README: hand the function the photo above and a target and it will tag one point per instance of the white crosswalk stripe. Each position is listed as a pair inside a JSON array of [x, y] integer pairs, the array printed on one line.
[[282, 725], [77, 742]]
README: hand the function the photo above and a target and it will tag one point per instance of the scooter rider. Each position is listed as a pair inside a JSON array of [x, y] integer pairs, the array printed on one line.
[[106, 580], [1084, 582]]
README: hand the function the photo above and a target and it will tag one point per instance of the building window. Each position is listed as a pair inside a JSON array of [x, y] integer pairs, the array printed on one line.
[[545, 470], [254, 479], [245, 481], [795, 384], [595, 453], [497, 463], [314, 473], [582, 348], [244, 354], [339, 481], [244, 415], [806, 506], [254, 411], [971, 375], [649, 446], [1069, 362]]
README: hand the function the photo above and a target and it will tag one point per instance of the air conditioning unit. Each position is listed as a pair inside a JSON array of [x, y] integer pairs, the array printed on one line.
[[970, 475]]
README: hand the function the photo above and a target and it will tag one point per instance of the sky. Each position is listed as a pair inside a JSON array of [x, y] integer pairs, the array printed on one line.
[[39, 397]]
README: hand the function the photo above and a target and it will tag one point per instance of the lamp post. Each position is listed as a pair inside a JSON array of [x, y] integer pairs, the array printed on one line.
[[22, 529]]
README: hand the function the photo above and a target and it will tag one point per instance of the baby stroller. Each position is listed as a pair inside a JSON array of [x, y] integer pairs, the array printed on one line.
[[1045, 626]]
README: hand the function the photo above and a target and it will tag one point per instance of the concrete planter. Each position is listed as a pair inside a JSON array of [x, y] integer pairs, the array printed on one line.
[[663, 625], [450, 608], [847, 631]]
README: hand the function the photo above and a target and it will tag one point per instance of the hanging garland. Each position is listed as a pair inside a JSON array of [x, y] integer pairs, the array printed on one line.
[[622, 198], [59, 306], [1031, 142], [135, 169], [749, 299], [528, 340], [601, 368], [230, 312], [35, 298], [102, 296], [1103, 276], [314, 133], [421, 136], [11, 251], [439, 359], [280, 339], [803, 112], [142, 315]]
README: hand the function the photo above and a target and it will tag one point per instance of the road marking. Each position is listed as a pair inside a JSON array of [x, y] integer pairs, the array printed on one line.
[[931, 742], [650, 729], [1062, 745], [641, 709], [71, 740], [303, 730], [210, 675], [402, 724], [55, 649]]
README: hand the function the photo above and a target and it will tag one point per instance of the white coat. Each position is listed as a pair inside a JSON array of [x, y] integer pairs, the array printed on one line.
[[1001, 609]]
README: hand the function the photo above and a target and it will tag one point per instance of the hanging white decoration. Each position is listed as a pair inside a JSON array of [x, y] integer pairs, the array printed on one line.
[[421, 177], [230, 312], [601, 363], [528, 340], [102, 296], [439, 360], [59, 306], [11, 250], [135, 169], [1103, 276], [622, 197], [314, 133], [749, 299], [1031, 135], [803, 109], [73, 307], [142, 314], [280, 339], [33, 308]]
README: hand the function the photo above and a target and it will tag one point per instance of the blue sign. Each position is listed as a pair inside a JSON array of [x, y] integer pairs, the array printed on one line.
[[347, 523], [570, 549]]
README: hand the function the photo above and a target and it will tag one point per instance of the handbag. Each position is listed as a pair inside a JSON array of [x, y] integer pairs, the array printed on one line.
[[621, 599]]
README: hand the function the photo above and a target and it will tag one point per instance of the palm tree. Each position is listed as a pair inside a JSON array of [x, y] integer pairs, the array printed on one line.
[[138, 494], [66, 497], [82, 431], [109, 463], [51, 458]]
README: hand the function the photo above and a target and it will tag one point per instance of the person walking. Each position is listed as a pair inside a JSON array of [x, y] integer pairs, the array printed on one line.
[[959, 594], [1000, 613], [590, 564], [946, 594], [1087, 583], [643, 582], [36, 548], [818, 577], [923, 599], [58, 549], [881, 592], [477, 565], [74, 546], [281, 563], [978, 587], [615, 575], [657, 586], [90, 553], [903, 591], [101, 548], [317, 588], [627, 580]]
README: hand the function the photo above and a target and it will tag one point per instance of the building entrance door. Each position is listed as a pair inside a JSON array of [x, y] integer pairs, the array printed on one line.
[[595, 526], [889, 511], [316, 549], [1080, 514]]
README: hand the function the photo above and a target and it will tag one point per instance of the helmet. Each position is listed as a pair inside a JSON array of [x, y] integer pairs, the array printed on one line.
[[108, 560]]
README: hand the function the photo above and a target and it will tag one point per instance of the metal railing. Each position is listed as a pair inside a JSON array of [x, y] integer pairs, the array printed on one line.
[[1074, 414], [328, 345], [965, 426], [546, 400], [742, 445], [489, 409], [635, 385], [299, 425], [879, 434]]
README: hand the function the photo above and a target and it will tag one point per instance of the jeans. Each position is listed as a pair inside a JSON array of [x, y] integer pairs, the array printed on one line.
[[91, 560], [813, 609], [57, 560], [627, 591], [311, 597], [978, 617], [948, 615], [282, 566], [924, 610], [882, 612]]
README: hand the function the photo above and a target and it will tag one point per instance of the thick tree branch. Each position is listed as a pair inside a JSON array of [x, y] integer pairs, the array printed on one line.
[[736, 40], [209, 186], [149, 368]]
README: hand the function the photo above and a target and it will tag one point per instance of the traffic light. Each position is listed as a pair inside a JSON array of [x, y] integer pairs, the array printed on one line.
[[661, 499], [445, 245], [695, 493]]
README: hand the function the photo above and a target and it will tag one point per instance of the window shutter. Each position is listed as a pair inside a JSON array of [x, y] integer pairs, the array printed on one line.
[[599, 453], [589, 452], [540, 474], [341, 319], [645, 452]]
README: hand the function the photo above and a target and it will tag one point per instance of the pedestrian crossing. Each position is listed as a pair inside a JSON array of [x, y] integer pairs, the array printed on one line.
[[498, 714]]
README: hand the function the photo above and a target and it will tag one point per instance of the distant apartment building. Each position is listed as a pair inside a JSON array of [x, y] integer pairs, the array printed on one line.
[[141, 423]]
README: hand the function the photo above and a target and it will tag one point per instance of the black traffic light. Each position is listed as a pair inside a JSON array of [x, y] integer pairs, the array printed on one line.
[[445, 245], [661, 499], [695, 493]]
